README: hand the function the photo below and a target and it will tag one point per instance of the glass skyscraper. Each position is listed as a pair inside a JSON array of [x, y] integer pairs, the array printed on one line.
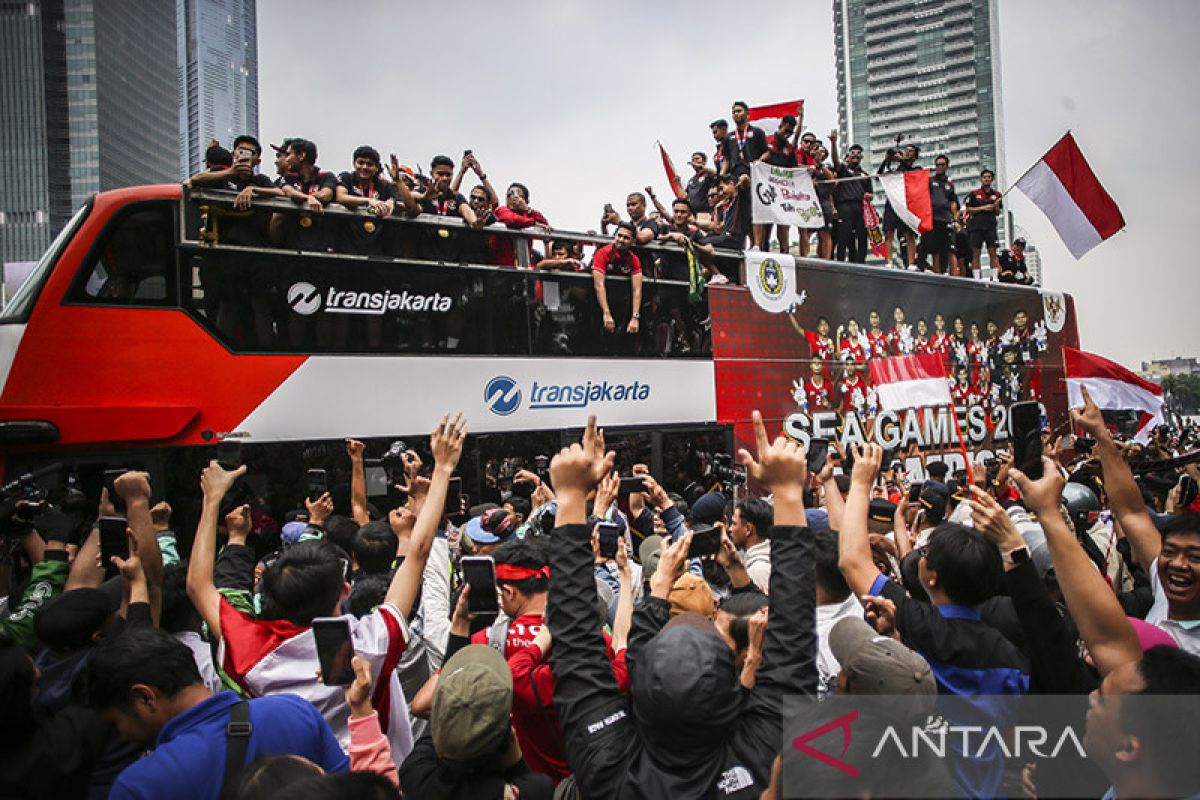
[[926, 70], [218, 76], [88, 102]]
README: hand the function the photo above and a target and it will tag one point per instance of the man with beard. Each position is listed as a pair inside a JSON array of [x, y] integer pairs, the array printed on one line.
[[618, 259]]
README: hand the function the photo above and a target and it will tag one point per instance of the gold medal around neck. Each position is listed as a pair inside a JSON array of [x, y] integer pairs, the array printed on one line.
[[306, 222], [369, 226]]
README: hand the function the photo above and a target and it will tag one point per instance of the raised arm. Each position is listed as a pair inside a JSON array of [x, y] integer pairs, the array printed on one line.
[[446, 444], [854, 543], [134, 489], [1124, 497], [1095, 609], [358, 482], [214, 483]]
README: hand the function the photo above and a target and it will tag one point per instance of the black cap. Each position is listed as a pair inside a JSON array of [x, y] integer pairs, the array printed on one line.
[[937, 470], [218, 156], [1019, 241], [69, 621]]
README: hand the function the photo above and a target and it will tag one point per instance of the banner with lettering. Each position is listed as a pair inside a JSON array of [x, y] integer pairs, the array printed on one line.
[[784, 196]]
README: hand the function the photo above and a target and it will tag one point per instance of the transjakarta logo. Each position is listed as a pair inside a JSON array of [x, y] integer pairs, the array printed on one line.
[[503, 396], [305, 299]]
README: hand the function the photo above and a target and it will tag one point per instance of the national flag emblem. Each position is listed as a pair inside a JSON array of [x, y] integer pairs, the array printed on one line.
[[769, 117], [1113, 387], [908, 192], [911, 381]]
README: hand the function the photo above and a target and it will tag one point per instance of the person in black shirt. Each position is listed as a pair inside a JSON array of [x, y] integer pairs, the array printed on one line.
[[305, 184], [720, 129], [822, 172], [735, 225], [936, 243], [745, 145], [1012, 265], [898, 160], [440, 200], [364, 188], [232, 289], [850, 229], [982, 204], [781, 152], [699, 184]]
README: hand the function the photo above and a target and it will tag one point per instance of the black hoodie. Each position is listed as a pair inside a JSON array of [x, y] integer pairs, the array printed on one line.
[[687, 730]]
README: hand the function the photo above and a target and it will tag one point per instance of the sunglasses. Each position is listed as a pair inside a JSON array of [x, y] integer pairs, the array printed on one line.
[[478, 199]]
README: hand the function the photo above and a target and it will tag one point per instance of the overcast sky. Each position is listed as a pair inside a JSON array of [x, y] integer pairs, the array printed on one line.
[[569, 97]]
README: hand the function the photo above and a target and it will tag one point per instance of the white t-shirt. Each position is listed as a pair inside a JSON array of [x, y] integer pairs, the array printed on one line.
[[828, 616], [1186, 633]]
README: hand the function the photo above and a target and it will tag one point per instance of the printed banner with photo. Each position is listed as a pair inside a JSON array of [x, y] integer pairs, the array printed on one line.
[[807, 368], [784, 196]]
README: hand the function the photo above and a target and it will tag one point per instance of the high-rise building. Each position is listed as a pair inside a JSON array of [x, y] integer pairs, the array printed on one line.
[[218, 75], [88, 102], [926, 70]]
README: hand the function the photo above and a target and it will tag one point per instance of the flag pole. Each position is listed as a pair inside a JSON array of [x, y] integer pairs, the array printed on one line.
[[1013, 185], [962, 442]]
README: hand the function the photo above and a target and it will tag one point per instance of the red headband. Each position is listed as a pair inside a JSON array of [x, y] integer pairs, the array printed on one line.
[[511, 572]]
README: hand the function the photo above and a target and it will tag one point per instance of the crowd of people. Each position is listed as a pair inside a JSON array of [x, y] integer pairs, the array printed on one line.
[[620, 641], [711, 216]]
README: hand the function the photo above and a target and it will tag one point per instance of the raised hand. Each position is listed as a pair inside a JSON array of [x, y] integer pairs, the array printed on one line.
[[1089, 417], [133, 486], [881, 615], [606, 493], [671, 565], [358, 693], [867, 459], [655, 493], [319, 510], [582, 466], [781, 465], [130, 568], [355, 449], [992, 521], [238, 522], [1044, 495], [447, 439], [215, 481]]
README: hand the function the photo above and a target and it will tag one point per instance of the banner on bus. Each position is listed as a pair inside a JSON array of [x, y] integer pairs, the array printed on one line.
[[807, 368], [784, 196], [404, 395]]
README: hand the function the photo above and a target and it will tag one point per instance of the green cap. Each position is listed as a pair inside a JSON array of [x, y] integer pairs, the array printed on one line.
[[471, 704]]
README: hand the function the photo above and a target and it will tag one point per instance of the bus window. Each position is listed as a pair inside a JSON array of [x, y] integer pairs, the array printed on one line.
[[23, 300], [132, 262]]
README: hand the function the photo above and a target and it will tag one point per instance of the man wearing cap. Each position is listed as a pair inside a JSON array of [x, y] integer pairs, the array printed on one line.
[[1012, 265], [488, 530], [471, 750]]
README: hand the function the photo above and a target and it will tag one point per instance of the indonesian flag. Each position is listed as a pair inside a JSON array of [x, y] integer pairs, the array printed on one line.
[[672, 175], [911, 381], [1064, 187], [769, 117], [1113, 388], [908, 192]]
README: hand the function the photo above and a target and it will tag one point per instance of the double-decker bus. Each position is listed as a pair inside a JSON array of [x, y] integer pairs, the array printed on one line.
[[144, 336]]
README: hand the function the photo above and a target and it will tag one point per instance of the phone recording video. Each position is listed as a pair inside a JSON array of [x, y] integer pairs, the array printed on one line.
[[706, 541], [229, 454], [609, 534], [318, 484], [1027, 438], [113, 542], [479, 572], [334, 650], [633, 485], [818, 452]]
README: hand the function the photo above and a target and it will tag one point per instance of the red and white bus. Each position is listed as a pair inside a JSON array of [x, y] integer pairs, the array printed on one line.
[[142, 338]]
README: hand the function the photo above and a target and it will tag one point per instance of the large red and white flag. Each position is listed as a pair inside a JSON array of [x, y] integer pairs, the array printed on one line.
[[1113, 388], [1064, 187], [908, 192], [769, 117], [672, 175], [911, 381]]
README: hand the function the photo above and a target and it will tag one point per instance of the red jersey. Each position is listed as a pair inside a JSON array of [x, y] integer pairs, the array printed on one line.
[[851, 348], [940, 343], [500, 248], [534, 717], [820, 396], [521, 633], [608, 259], [899, 340], [964, 395], [853, 394], [877, 344], [821, 347]]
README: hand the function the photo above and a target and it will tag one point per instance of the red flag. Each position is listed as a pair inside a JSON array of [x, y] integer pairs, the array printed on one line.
[[1112, 386], [672, 175], [1064, 187], [908, 193], [769, 117]]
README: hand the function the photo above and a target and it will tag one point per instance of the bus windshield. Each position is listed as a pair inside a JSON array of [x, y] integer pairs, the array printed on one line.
[[23, 300]]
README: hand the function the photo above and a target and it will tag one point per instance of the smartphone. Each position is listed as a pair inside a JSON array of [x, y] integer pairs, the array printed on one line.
[[1187, 491], [317, 484], [609, 534], [706, 541], [889, 456], [453, 504], [229, 454], [334, 650], [633, 485], [110, 483], [113, 541], [914, 492], [1027, 438], [244, 155], [818, 452], [480, 574]]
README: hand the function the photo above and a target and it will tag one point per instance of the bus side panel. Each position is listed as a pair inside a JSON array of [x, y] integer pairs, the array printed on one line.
[[762, 360]]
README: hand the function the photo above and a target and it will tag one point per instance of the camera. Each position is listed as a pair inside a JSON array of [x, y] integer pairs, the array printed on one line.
[[727, 472], [394, 461]]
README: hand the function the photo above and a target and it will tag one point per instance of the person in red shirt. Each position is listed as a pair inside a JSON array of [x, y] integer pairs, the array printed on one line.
[[853, 390], [852, 343], [940, 341], [516, 214], [900, 336], [921, 339], [819, 344], [877, 337], [618, 259], [818, 391], [961, 391]]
